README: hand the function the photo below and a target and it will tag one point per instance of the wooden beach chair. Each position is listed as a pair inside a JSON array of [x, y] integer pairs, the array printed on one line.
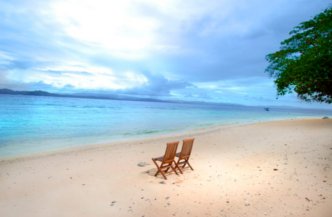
[[167, 160], [184, 155]]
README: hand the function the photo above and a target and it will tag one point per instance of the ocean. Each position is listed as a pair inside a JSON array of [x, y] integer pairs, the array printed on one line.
[[36, 124]]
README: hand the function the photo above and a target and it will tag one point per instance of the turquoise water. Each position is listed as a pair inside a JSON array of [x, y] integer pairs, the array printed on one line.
[[34, 124]]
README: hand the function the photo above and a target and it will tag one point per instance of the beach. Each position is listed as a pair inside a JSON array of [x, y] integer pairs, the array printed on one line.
[[276, 168]]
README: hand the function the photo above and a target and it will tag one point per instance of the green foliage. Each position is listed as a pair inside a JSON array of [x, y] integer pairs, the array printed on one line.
[[304, 62]]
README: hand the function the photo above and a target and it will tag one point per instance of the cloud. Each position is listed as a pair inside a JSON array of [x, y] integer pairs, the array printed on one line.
[[196, 50], [232, 38], [158, 87], [5, 59], [109, 25], [252, 90], [81, 77]]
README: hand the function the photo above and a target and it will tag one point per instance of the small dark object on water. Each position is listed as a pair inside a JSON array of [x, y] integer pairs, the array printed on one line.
[[267, 109], [325, 117]]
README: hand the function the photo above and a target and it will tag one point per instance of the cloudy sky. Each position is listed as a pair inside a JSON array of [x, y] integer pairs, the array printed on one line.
[[169, 49]]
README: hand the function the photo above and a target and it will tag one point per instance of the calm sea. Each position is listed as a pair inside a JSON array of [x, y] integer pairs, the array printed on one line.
[[34, 124]]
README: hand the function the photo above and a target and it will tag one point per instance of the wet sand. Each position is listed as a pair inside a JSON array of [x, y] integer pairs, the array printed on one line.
[[280, 168]]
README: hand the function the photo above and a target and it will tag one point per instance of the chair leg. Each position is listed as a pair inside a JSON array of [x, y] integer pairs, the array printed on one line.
[[189, 165], [159, 169], [174, 169], [167, 169], [183, 164], [162, 173], [186, 161], [167, 166], [170, 166], [177, 166]]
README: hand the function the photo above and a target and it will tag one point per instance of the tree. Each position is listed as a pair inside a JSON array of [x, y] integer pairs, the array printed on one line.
[[304, 62]]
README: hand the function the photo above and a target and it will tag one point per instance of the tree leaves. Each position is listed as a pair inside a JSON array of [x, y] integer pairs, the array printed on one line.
[[304, 62]]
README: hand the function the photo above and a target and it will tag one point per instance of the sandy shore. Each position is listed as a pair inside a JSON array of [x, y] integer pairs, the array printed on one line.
[[280, 168]]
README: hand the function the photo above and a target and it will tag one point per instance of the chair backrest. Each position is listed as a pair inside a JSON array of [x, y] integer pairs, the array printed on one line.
[[187, 147], [170, 151]]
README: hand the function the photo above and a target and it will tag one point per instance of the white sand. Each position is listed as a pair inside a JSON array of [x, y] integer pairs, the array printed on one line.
[[276, 169]]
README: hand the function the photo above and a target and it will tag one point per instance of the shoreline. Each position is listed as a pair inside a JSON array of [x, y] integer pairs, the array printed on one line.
[[119, 142], [146, 138]]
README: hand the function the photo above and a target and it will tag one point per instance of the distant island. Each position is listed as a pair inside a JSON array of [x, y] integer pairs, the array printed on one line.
[[88, 96], [33, 93], [111, 97]]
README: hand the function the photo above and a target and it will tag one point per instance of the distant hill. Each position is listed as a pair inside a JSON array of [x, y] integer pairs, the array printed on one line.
[[34, 93], [88, 96], [107, 97]]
